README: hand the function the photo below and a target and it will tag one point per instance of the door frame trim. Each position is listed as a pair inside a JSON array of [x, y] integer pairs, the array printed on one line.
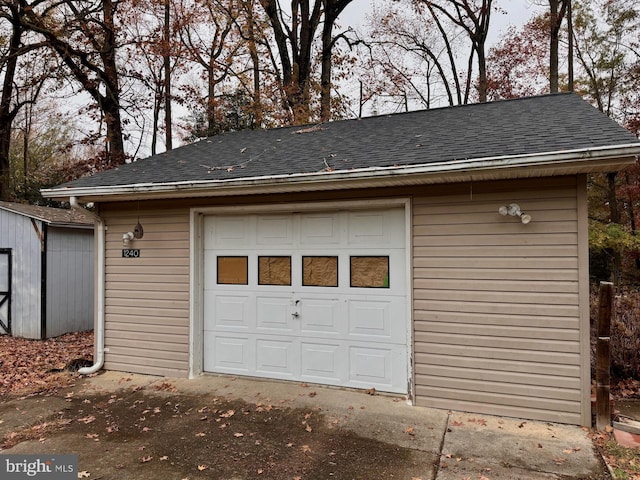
[[196, 261]]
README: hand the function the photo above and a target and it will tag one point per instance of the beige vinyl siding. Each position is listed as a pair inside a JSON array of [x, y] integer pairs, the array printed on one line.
[[497, 318], [147, 298]]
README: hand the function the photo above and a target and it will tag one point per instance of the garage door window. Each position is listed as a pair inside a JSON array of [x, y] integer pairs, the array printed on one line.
[[274, 270], [233, 271], [320, 271], [369, 272]]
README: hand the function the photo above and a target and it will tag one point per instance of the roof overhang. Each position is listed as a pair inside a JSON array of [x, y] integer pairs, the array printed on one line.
[[569, 162]]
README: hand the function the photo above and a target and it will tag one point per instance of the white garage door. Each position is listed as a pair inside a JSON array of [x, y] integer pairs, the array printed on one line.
[[317, 297]]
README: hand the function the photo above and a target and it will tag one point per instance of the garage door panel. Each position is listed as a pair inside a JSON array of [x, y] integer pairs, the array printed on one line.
[[275, 358], [230, 311], [320, 229], [228, 232], [376, 228], [320, 362], [228, 354], [378, 321], [274, 230], [370, 366], [320, 316], [273, 314]]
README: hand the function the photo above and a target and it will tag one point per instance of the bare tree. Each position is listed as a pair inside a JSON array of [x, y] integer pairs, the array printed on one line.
[[294, 40], [84, 35]]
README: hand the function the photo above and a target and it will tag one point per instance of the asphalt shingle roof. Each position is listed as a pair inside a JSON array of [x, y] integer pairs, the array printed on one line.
[[56, 216], [543, 124]]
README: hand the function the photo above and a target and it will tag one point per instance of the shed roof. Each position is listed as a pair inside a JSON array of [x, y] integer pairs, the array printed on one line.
[[545, 130], [51, 216]]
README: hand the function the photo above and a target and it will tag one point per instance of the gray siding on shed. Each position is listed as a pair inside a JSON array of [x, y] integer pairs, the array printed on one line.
[[17, 233], [70, 280]]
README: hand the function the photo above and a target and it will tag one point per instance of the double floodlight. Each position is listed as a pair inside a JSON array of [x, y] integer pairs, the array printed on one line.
[[513, 210]]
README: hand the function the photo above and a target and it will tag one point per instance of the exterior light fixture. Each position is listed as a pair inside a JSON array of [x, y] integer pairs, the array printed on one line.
[[126, 238], [513, 210]]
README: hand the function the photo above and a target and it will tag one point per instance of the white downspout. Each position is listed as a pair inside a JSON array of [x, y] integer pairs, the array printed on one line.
[[99, 331]]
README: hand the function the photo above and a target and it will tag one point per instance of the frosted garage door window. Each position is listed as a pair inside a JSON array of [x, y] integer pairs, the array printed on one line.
[[274, 270], [320, 271], [370, 272], [233, 271]]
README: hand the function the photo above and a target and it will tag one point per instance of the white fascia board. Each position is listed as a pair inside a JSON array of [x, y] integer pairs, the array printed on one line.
[[563, 163]]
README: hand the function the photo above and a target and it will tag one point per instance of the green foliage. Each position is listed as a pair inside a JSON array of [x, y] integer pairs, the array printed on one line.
[[612, 237]]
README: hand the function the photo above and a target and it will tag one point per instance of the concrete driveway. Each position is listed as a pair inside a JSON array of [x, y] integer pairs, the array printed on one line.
[[126, 426]]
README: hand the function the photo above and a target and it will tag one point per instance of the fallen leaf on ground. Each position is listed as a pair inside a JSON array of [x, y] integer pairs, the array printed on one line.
[[203, 467], [84, 474]]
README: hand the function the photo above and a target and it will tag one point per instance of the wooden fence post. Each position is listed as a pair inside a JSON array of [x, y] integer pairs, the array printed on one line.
[[603, 360]]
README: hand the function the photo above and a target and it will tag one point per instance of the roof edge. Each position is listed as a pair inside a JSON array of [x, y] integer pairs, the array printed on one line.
[[563, 162]]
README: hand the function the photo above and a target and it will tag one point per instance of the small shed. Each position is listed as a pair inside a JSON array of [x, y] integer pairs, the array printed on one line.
[[46, 271]]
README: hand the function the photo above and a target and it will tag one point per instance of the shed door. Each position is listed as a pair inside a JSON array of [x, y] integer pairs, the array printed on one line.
[[5, 291], [317, 297]]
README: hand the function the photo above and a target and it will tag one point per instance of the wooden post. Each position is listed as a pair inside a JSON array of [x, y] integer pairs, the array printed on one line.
[[603, 374]]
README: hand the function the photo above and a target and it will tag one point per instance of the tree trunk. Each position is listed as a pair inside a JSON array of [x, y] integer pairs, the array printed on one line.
[[482, 72], [255, 60], [325, 74], [166, 57], [7, 113], [211, 99], [557, 10], [614, 213]]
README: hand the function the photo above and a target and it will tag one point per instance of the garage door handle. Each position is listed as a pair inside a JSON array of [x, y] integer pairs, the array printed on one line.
[[295, 314]]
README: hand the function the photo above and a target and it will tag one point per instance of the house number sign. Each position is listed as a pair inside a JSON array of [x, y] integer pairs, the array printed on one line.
[[130, 253]]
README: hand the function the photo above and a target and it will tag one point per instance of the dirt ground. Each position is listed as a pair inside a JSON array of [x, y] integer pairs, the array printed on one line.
[[153, 433]]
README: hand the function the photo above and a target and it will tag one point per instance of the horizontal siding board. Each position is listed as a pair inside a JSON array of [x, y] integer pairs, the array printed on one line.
[[503, 410], [541, 322], [472, 239], [472, 263], [425, 362], [154, 341], [518, 251], [182, 305], [486, 383], [116, 260], [154, 269], [542, 345], [146, 369], [502, 297], [430, 217], [149, 287], [501, 308], [511, 227], [149, 295], [148, 279], [144, 329], [138, 364], [160, 251], [480, 274], [151, 345], [148, 323], [141, 312], [496, 285], [506, 355], [160, 355], [545, 206], [525, 402], [499, 331]]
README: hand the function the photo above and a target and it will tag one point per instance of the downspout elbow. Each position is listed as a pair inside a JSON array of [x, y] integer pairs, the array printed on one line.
[[99, 328]]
